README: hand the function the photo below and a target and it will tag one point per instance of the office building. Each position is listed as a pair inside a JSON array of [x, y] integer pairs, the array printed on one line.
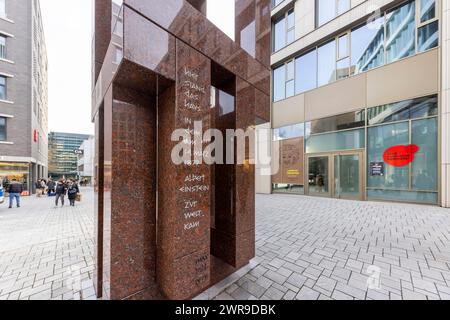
[[63, 152], [360, 99], [86, 155], [23, 93]]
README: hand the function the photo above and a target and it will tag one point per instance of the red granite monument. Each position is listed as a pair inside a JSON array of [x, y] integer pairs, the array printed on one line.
[[166, 230]]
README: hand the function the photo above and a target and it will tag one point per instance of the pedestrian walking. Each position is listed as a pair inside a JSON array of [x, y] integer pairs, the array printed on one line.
[[51, 187], [38, 188], [72, 192], [15, 189], [60, 191], [2, 198]]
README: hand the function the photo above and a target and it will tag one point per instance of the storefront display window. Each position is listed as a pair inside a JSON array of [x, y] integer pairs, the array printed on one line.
[[379, 140], [344, 140], [18, 171], [407, 151], [424, 169]]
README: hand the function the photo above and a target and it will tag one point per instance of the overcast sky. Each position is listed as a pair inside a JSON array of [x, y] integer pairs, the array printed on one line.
[[67, 26]]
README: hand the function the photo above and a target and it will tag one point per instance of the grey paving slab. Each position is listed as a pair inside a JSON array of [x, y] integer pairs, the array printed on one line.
[[47, 252], [314, 248]]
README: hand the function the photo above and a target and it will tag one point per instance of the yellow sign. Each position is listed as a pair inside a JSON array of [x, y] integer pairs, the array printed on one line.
[[293, 172]]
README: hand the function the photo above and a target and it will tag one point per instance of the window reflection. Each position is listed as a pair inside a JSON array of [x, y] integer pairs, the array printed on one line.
[[289, 132], [327, 63], [327, 10], [424, 169], [279, 34], [279, 84], [427, 10], [367, 46], [340, 122], [428, 36], [379, 140], [401, 32], [404, 110], [306, 72]]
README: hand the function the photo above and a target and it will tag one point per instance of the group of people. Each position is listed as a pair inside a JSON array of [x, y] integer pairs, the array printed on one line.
[[58, 189], [69, 187]]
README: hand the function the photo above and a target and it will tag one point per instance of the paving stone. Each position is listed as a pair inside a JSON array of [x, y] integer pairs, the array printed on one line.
[[307, 294], [274, 293], [276, 277], [338, 295], [290, 295]]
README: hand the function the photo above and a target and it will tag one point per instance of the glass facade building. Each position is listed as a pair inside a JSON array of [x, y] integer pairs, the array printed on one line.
[[360, 109], [396, 35], [344, 151], [63, 160]]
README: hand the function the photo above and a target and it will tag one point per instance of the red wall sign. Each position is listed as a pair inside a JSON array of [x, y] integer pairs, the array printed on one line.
[[400, 156], [35, 136]]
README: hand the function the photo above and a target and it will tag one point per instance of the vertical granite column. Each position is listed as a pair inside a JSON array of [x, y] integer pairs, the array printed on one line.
[[102, 35], [233, 236], [244, 238], [98, 202], [130, 195], [183, 268]]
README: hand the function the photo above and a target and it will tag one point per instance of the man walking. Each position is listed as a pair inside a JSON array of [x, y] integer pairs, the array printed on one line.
[[15, 189], [60, 192]]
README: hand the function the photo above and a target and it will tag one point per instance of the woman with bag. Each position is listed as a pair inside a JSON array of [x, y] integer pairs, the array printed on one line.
[[72, 192]]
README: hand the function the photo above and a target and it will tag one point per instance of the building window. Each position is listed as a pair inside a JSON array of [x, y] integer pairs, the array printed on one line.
[[427, 10], [327, 10], [2, 47], [279, 84], [401, 32], [407, 123], [3, 95], [367, 46], [344, 121], [284, 81], [2, 129], [306, 72], [290, 79], [284, 31], [326, 59], [428, 32], [386, 39], [289, 132], [3, 8], [343, 57]]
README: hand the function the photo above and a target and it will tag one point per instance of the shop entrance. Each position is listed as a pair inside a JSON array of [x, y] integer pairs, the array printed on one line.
[[337, 175]]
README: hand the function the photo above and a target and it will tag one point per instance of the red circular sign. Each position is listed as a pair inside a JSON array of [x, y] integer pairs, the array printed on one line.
[[400, 156]]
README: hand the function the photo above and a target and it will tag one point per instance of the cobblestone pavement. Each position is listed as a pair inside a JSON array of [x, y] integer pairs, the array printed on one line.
[[313, 248], [307, 248], [46, 252]]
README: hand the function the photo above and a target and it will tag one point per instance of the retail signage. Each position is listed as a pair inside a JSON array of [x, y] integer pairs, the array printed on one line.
[[78, 152], [400, 156], [35, 136], [377, 169]]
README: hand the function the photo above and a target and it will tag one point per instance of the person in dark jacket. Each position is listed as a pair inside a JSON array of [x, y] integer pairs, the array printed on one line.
[[72, 192], [61, 189], [51, 187], [15, 189]]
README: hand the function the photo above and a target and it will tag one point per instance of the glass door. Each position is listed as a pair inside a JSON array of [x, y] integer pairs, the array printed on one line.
[[319, 175], [348, 176]]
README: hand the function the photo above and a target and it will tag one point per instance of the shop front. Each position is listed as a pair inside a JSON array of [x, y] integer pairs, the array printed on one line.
[[388, 152], [15, 170]]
